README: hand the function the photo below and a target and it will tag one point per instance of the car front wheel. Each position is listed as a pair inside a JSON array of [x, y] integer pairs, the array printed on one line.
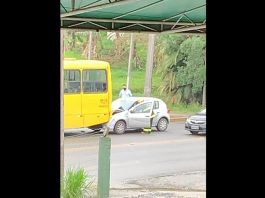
[[162, 124], [120, 127]]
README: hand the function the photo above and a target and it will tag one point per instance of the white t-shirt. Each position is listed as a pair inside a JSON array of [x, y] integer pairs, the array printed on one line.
[[125, 93]]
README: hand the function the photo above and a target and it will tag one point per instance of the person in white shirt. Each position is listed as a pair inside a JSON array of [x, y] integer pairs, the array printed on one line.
[[124, 93]]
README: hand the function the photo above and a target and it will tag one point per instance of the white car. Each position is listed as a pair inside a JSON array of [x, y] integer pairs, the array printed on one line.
[[135, 113]]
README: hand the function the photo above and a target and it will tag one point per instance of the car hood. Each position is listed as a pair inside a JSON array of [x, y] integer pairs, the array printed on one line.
[[122, 114], [198, 117]]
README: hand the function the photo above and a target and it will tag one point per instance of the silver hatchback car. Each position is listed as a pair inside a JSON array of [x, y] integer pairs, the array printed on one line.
[[135, 113]]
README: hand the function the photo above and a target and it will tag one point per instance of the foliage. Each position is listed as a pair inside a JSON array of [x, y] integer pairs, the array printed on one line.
[[185, 108], [73, 54], [108, 46], [179, 69], [119, 77], [183, 69], [75, 40], [77, 184]]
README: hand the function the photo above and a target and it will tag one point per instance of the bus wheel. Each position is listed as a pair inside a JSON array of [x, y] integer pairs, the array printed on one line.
[[119, 127]]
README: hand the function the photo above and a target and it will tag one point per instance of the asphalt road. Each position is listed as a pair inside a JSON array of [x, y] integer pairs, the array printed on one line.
[[136, 156]]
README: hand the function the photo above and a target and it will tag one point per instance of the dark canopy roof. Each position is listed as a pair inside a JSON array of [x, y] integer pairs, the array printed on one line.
[[186, 16]]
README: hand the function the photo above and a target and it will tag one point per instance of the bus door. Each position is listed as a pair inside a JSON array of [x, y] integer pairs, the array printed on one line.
[[72, 99], [95, 100]]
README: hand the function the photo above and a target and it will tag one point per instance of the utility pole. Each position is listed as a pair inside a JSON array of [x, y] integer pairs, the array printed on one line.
[[104, 165], [204, 86], [89, 56], [130, 62], [149, 65], [62, 106]]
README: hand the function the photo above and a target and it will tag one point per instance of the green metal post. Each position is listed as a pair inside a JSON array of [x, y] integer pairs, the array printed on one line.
[[103, 167]]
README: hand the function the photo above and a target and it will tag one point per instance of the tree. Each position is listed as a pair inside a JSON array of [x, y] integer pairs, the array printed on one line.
[[184, 68], [130, 61], [149, 65], [167, 61], [117, 38], [75, 40], [204, 87]]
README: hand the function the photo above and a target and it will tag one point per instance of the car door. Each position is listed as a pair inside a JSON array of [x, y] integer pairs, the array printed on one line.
[[139, 116], [157, 111]]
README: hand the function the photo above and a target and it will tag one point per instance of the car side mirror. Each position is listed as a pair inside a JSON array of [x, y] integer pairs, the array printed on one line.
[[132, 111]]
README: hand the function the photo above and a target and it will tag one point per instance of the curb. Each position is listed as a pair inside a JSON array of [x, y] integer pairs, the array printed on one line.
[[178, 119]]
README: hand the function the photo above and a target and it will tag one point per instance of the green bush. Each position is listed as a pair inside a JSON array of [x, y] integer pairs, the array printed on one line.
[[185, 108], [78, 184]]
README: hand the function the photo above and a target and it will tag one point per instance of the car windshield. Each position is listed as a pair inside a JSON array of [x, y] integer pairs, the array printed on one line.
[[123, 104], [126, 104]]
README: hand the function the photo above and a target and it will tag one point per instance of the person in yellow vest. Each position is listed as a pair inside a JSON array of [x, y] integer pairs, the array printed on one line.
[[149, 129]]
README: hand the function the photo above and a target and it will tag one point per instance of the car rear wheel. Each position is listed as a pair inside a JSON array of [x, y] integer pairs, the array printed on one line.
[[120, 127], [162, 124]]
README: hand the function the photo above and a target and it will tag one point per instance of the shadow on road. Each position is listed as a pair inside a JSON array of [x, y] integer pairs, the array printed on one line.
[[198, 135]]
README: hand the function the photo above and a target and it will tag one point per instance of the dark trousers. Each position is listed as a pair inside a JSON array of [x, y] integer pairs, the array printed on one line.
[[151, 121]]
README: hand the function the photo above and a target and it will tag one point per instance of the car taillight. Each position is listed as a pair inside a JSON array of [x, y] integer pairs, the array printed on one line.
[[168, 110]]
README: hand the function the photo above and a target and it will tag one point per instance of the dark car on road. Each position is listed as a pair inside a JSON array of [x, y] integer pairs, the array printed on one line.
[[196, 123]]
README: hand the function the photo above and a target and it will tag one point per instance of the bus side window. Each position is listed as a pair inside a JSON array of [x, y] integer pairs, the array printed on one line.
[[74, 86], [87, 86], [99, 86], [94, 81], [72, 82], [104, 87]]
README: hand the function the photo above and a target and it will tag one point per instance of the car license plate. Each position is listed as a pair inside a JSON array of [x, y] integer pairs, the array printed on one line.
[[194, 127]]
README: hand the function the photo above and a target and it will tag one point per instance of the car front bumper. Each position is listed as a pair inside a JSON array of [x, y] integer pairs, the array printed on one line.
[[195, 127]]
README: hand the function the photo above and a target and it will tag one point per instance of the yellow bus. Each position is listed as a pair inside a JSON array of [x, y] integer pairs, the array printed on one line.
[[87, 94]]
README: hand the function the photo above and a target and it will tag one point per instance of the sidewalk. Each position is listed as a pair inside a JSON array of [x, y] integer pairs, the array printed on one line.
[[183, 185]]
